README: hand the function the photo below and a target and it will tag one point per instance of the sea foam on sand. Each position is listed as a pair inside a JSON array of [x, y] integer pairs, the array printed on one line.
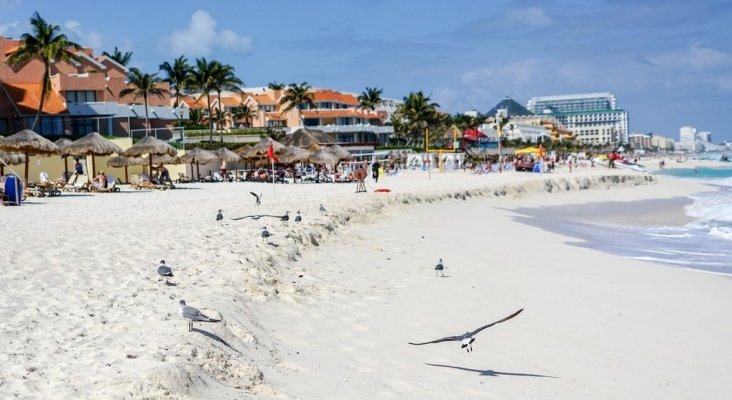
[[327, 309]]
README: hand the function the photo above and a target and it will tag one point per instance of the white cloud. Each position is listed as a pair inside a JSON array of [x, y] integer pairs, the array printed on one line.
[[10, 29], [87, 39], [200, 37], [696, 57], [531, 16]]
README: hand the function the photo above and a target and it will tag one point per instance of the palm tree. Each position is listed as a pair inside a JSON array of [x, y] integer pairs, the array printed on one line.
[[202, 78], [247, 112], [179, 74], [418, 112], [122, 58], [50, 46], [143, 85], [274, 85], [195, 117], [371, 98], [225, 79], [296, 96], [220, 117]]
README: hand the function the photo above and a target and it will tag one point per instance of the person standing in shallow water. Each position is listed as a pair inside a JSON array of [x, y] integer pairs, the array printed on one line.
[[375, 171]]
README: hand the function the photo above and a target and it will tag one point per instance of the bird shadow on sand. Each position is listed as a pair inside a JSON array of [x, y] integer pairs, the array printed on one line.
[[273, 244], [168, 283], [214, 337], [490, 372]]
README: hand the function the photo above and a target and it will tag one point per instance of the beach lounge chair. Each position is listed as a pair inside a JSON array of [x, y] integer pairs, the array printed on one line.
[[111, 186], [182, 178], [217, 177]]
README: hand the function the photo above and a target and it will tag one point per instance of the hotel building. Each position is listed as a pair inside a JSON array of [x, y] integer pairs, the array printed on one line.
[[593, 117], [84, 97]]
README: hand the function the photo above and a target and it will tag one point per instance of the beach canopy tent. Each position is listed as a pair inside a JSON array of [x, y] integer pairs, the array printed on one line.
[[528, 150], [28, 143], [196, 156], [150, 145], [474, 134], [92, 144], [307, 137]]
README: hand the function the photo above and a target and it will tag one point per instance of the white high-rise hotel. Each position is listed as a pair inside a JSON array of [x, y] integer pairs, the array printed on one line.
[[593, 117]]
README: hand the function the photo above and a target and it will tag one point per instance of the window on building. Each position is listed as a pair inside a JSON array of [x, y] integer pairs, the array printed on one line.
[[4, 126], [311, 121], [81, 96], [82, 126]]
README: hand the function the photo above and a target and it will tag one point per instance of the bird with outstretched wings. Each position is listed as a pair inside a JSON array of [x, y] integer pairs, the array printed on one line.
[[468, 338]]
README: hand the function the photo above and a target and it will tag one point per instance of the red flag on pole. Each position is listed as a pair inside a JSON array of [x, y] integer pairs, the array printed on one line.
[[270, 153]]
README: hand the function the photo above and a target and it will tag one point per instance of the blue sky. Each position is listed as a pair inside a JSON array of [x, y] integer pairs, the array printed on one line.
[[669, 63]]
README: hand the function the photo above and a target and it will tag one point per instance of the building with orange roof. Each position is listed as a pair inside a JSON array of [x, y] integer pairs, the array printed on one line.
[[83, 97]]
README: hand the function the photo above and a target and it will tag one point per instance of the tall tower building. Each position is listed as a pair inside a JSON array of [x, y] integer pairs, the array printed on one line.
[[593, 117]]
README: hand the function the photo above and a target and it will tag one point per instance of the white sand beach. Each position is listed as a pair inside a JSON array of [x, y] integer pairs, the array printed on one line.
[[326, 310]]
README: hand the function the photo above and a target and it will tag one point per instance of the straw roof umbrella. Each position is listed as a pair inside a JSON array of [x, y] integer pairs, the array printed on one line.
[[261, 147], [197, 155], [340, 152], [122, 161], [92, 144], [61, 143], [293, 155], [150, 145], [227, 155], [10, 159], [28, 143], [322, 156], [306, 137]]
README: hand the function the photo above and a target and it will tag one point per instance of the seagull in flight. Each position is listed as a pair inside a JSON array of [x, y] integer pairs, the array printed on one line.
[[220, 218], [439, 268], [192, 314], [258, 198], [468, 338], [298, 217], [164, 270]]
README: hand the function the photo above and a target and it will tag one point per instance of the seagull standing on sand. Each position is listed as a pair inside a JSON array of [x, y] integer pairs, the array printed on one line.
[[285, 218], [258, 198], [265, 234], [220, 218], [322, 209], [192, 314], [468, 338], [298, 217], [439, 268], [164, 270]]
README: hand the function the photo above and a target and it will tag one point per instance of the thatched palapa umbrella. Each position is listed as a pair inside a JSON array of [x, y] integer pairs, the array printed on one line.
[[261, 148], [197, 155], [306, 137], [293, 155], [322, 156], [92, 144], [61, 143], [150, 145], [10, 159], [122, 161], [340, 152], [28, 143], [228, 156]]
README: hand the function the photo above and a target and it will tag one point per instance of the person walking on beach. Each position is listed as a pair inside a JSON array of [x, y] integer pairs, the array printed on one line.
[[375, 171]]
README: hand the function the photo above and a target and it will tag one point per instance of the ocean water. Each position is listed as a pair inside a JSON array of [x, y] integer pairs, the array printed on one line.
[[703, 241]]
